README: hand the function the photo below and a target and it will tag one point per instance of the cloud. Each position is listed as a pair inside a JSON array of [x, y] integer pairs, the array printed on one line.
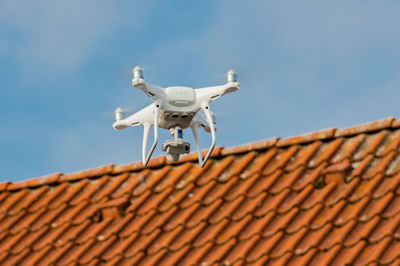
[[297, 63], [48, 38]]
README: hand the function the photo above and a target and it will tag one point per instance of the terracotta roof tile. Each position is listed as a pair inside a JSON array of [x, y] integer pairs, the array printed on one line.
[[365, 128], [255, 146], [308, 137], [395, 123], [328, 197]]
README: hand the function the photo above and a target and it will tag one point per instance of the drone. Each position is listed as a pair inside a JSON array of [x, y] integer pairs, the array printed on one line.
[[175, 109]]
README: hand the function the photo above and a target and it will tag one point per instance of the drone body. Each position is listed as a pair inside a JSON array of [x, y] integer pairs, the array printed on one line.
[[175, 109]]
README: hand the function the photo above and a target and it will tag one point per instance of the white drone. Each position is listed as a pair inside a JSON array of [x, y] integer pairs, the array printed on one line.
[[175, 108]]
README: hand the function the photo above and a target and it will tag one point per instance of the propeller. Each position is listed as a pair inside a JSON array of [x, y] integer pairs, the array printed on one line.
[[127, 110], [243, 71]]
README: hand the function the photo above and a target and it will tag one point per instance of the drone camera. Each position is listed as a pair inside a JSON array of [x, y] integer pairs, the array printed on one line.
[[176, 147], [175, 150]]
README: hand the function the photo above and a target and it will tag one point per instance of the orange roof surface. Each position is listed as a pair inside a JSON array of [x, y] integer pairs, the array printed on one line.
[[325, 198]]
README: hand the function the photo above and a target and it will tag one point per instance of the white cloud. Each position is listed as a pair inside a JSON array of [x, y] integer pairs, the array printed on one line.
[[297, 62], [47, 37]]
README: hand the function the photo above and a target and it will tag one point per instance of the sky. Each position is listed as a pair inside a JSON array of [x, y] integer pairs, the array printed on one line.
[[303, 66]]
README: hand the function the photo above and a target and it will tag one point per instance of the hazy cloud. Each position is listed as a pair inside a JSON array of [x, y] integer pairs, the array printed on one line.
[[313, 56], [48, 38]]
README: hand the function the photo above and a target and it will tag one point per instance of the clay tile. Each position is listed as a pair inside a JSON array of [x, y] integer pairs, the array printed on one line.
[[156, 162], [117, 169], [364, 128], [186, 158], [216, 152], [4, 185], [193, 157], [114, 208], [259, 145], [116, 202], [110, 213], [308, 137], [17, 186], [68, 177], [48, 179], [396, 123], [137, 166], [103, 170], [34, 182], [337, 173], [344, 166], [337, 178]]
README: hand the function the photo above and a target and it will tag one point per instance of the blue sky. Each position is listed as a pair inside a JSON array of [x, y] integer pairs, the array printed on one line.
[[303, 66]]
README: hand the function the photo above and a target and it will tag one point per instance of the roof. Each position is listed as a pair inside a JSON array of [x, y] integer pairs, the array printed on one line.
[[329, 197]]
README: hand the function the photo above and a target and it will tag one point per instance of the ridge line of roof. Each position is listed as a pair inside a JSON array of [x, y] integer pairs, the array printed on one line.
[[158, 162]]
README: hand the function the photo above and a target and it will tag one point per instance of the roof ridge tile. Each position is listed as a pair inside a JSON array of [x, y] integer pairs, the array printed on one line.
[[36, 182], [90, 173], [254, 146], [160, 161], [366, 127], [4, 186], [307, 137]]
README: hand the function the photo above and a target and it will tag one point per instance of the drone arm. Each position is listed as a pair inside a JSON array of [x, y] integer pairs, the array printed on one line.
[[210, 121], [153, 91], [210, 94], [146, 132], [131, 121], [139, 118]]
